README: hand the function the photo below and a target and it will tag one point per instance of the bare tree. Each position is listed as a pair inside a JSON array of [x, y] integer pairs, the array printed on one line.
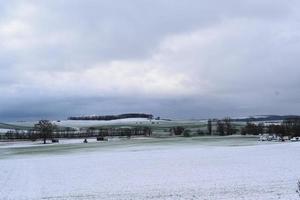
[[229, 128], [221, 127], [261, 128], [277, 130], [44, 129], [209, 126], [178, 130], [291, 126], [225, 127], [253, 129]]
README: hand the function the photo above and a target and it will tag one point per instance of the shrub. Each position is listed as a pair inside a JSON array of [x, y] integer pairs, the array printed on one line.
[[200, 132], [187, 133]]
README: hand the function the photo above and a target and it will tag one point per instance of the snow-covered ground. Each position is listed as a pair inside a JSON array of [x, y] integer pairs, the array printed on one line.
[[180, 168], [89, 123]]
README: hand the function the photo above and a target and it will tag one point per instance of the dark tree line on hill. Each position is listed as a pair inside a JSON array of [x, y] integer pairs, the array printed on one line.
[[113, 117]]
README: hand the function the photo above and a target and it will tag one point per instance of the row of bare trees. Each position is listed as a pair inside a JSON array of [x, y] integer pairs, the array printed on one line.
[[289, 127], [225, 127], [46, 130], [253, 129]]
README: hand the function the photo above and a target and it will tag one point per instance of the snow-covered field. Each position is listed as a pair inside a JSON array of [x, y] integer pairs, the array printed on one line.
[[178, 168]]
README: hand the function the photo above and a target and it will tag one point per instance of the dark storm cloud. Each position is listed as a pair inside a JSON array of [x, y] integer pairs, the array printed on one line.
[[183, 59]]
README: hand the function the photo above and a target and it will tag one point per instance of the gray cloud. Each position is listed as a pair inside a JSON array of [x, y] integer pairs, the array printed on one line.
[[185, 59]]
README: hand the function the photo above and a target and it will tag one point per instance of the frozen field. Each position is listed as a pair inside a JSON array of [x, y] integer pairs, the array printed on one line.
[[178, 168]]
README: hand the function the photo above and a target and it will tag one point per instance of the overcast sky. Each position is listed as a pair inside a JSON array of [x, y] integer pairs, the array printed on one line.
[[175, 59]]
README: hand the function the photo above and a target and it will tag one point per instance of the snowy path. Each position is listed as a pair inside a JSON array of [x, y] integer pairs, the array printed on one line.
[[174, 172]]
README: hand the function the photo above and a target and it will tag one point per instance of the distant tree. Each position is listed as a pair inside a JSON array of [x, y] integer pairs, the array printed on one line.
[[187, 133], [209, 127], [229, 128], [244, 131], [225, 127], [31, 135], [68, 130], [289, 127], [292, 126], [128, 133], [269, 129], [221, 127], [44, 129], [178, 130], [147, 131], [261, 128], [276, 129], [253, 129], [91, 131], [200, 132]]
